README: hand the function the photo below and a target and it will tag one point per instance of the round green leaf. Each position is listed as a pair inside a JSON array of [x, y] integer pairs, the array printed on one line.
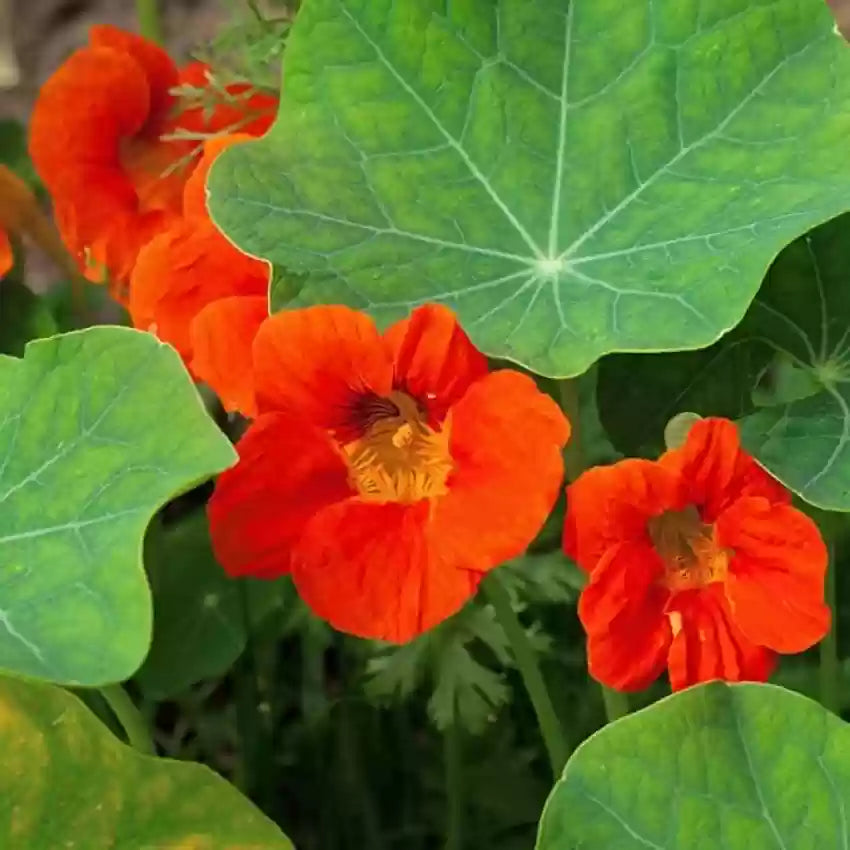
[[98, 429], [68, 782], [740, 767], [784, 373], [573, 178]]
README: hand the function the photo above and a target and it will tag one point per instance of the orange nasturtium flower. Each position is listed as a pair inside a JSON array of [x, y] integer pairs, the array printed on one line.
[[697, 562], [386, 473], [96, 139], [195, 290]]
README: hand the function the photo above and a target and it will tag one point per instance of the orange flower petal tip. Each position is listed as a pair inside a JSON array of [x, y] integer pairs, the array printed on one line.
[[386, 472], [697, 563], [222, 340], [183, 270]]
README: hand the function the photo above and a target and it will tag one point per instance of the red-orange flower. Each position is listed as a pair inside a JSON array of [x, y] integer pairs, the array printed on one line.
[[697, 562], [191, 267], [386, 473], [96, 140]]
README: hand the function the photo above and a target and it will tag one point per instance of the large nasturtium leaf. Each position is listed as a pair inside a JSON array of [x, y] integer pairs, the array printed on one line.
[[717, 767], [574, 177], [199, 611], [98, 429], [68, 782], [784, 372]]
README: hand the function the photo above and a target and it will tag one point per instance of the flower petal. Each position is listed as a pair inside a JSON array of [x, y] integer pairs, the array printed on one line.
[[708, 645], [287, 471], [222, 339], [435, 361], [95, 109], [157, 66], [607, 505], [776, 576], [95, 98], [622, 610], [368, 570], [315, 362], [505, 440], [713, 470], [181, 271]]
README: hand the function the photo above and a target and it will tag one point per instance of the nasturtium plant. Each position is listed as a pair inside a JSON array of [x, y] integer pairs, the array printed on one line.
[[68, 782], [99, 429], [573, 178], [487, 384], [716, 766], [783, 372]]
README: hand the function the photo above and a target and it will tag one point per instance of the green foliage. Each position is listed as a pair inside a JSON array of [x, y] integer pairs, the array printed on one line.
[[464, 690], [68, 782], [13, 151], [784, 372], [99, 428], [249, 46], [519, 161], [23, 316], [741, 766], [542, 577], [202, 615]]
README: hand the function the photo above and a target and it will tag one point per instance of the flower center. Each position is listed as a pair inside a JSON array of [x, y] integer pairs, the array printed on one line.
[[399, 458], [692, 558]]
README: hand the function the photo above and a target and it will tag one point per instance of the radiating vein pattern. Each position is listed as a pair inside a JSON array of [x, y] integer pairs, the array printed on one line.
[[574, 177]]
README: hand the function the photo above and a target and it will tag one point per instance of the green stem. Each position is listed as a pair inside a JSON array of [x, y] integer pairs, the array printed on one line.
[[135, 729], [249, 720], [616, 704], [830, 670], [547, 719], [573, 455], [356, 779], [454, 787], [150, 25]]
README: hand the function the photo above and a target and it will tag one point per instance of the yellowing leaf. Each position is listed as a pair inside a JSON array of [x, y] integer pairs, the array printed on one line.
[[68, 784]]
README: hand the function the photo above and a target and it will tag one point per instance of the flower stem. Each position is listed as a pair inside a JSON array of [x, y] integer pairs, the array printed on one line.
[[547, 719], [830, 670], [573, 455], [147, 14], [135, 729], [616, 704], [454, 787]]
